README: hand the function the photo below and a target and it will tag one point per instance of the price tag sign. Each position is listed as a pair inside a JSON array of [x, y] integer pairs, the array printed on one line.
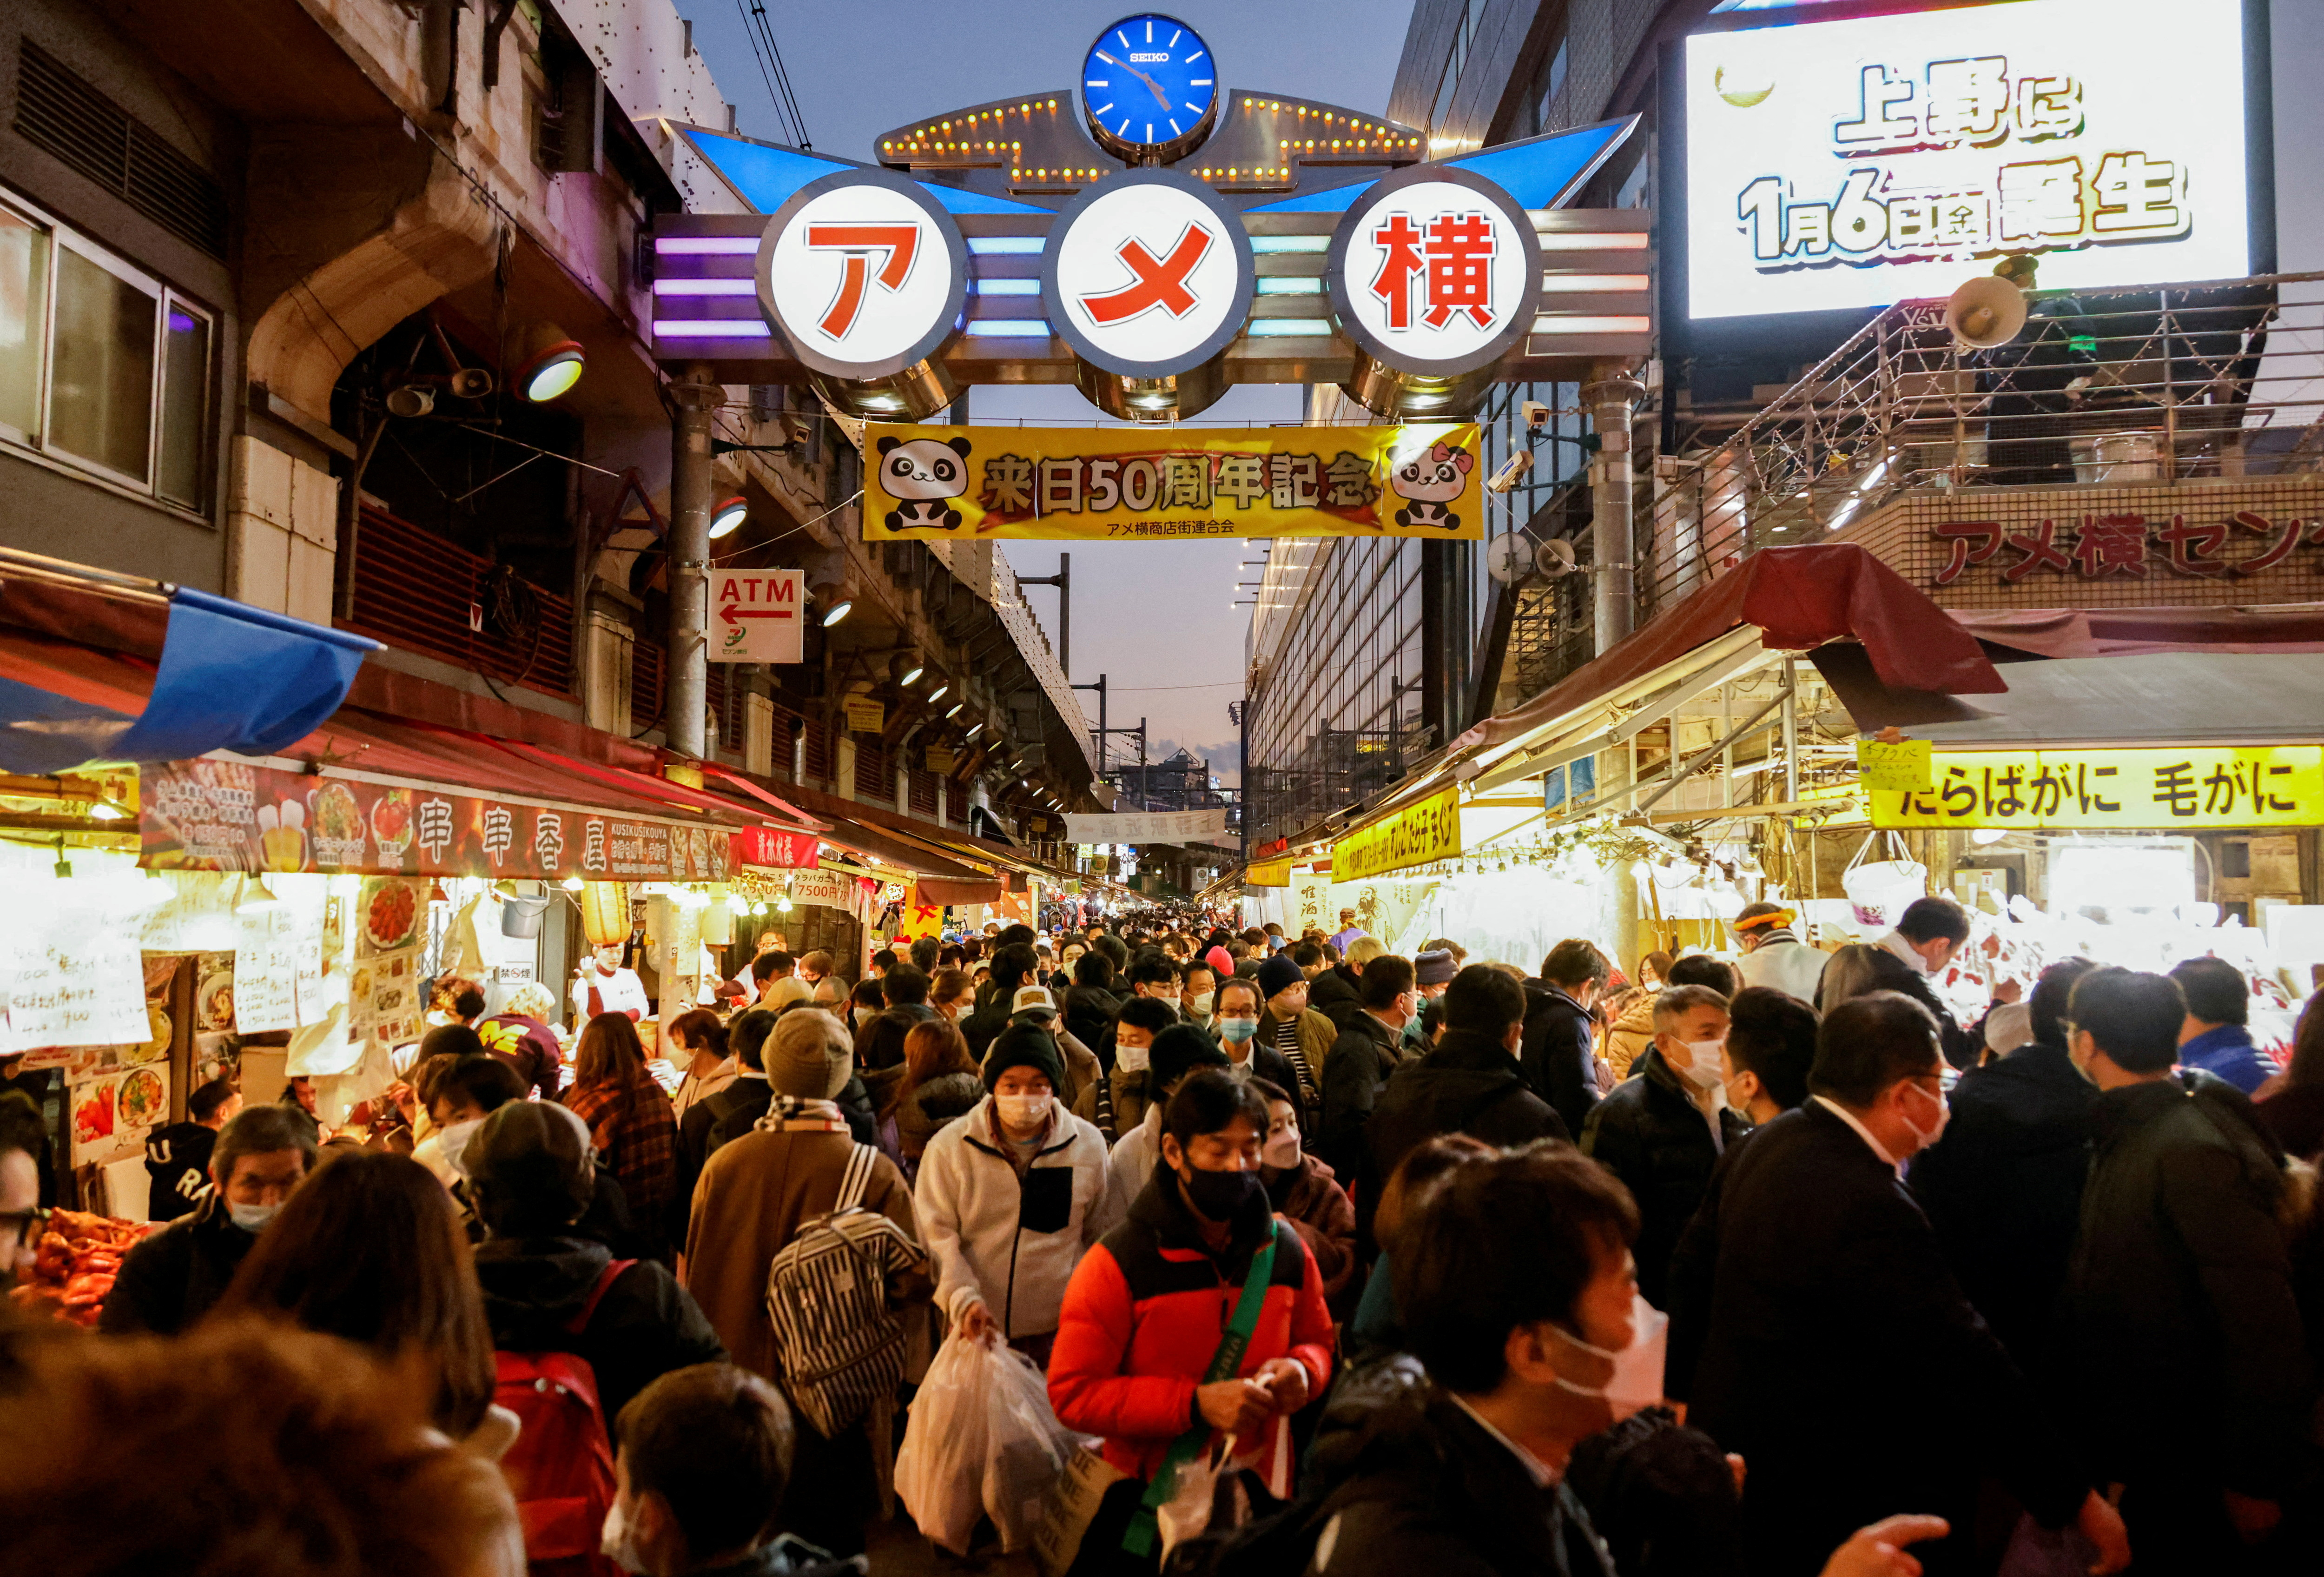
[[1904, 765]]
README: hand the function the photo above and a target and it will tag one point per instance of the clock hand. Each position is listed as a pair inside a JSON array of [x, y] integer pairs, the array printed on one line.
[[1152, 86]]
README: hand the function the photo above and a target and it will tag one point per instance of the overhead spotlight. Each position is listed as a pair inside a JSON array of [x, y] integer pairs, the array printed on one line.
[[938, 694], [728, 517], [410, 399], [975, 730], [547, 360], [912, 675], [783, 904], [956, 706], [573, 885], [837, 611]]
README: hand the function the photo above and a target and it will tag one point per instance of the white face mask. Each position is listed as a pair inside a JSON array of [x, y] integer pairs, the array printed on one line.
[[1022, 1111], [1636, 1380], [619, 1544], [455, 1143], [250, 1218], [1281, 1150], [1130, 1059], [1701, 1063], [1928, 1136], [1199, 1004]]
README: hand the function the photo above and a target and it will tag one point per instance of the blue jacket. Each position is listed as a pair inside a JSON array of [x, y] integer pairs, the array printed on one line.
[[2227, 1053]]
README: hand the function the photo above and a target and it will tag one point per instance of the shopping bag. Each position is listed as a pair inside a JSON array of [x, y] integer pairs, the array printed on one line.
[[1070, 1507], [1208, 1493], [940, 1467], [1026, 1450], [1880, 891]]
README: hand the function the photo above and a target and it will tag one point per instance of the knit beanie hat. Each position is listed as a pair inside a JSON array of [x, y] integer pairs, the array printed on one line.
[[1435, 968], [808, 1056], [1279, 972], [529, 1170], [1024, 1044]]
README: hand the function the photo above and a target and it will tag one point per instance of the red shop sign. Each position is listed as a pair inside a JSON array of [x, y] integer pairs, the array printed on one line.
[[775, 849]]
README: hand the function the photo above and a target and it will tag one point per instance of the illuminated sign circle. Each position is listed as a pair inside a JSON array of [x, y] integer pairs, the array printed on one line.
[[1434, 271], [1147, 274], [863, 273]]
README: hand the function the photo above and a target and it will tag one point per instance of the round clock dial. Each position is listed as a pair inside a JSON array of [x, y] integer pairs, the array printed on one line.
[[1150, 88]]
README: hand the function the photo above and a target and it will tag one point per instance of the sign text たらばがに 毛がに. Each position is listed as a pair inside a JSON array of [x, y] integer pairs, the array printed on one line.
[[2197, 789]]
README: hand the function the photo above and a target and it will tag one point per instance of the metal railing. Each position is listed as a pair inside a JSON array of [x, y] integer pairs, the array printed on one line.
[[2214, 379]]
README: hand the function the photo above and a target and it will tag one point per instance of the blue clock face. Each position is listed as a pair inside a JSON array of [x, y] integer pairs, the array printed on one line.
[[1151, 87]]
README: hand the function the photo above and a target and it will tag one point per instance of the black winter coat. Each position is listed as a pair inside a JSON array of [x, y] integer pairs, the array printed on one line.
[[1825, 1278], [1650, 1133], [1356, 1070], [2178, 1341], [645, 1325], [1560, 1041], [174, 1277], [1468, 1084], [1090, 1011], [880, 1046], [2005, 1189], [1335, 994], [1963, 1046]]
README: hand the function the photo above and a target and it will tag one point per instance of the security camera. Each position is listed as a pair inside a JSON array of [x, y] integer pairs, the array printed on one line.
[[1512, 468], [1537, 414]]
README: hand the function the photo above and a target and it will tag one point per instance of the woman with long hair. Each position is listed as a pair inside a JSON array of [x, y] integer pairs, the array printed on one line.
[[940, 1082], [631, 1121], [2294, 1109], [370, 1249]]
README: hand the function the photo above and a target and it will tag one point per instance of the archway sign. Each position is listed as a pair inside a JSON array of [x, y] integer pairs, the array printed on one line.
[[1173, 237]]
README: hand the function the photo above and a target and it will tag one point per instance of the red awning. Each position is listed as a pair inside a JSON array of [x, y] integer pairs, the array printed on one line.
[[1800, 598], [2068, 633], [755, 792]]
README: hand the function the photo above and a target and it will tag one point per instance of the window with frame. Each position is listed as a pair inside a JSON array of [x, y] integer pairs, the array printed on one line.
[[103, 367]]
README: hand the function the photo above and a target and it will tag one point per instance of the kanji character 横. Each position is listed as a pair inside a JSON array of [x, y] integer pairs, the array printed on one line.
[[2287, 538], [2112, 544], [1188, 482], [2047, 107], [1972, 542], [2041, 552], [1878, 123], [1060, 483], [2174, 787], [2224, 786], [2138, 196], [1241, 477], [2191, 547], [1460, 252], [2042, 200], [1400, 240], [1008, 486], [1969, 101], [1349, 481], [1292, 480], [2088, 796]]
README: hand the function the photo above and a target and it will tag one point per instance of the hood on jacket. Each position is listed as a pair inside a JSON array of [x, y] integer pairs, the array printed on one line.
[[533, 1287], [1161, 1207], [1336, 995]]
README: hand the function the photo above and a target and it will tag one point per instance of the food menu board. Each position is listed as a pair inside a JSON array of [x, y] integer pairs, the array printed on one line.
[[112, 1112], [278, 962], [225, 816], [72, 976]]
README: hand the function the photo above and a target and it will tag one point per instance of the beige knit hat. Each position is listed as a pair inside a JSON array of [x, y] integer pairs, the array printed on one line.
[[808, 1056]]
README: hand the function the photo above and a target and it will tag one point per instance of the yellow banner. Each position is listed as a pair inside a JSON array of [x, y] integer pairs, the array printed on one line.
[[2196, 789], [1130, 484], [1415, 835], [1268, 873]]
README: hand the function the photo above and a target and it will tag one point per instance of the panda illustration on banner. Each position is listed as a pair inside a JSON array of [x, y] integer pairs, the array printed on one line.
[[1429, 480], [925, 476]]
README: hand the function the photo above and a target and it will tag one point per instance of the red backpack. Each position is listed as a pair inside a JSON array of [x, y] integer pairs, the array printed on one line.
[[561, 1467]]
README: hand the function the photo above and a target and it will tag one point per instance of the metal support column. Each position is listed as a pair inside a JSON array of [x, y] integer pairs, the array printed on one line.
[[1064, 581], [1610, 401], [1790, 732], [686, 672]]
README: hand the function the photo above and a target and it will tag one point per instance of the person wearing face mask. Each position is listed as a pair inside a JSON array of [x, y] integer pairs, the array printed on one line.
[[1116, 1101], [1176, 1052], [735, 1110], [1033, 1004], [1010, 1198], [1559, 1050], [703, 1478], [1199, 1004], [1367, 1051], [1662, 1129], [951, 995], [1280, 1017], [460, 1093], [1928, 934], [2178, 1339], [1306, 1194], [1200, 1317], [174, 1277], [1825, 1279]]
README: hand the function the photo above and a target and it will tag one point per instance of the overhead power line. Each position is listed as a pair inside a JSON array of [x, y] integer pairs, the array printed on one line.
[[778, 77]]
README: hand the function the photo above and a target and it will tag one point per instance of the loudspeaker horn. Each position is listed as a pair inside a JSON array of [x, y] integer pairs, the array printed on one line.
[[1985, 312], [470, 383], [1554, 557]]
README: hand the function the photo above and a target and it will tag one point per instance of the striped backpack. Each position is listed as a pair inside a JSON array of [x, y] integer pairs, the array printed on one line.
[[840, 1347]]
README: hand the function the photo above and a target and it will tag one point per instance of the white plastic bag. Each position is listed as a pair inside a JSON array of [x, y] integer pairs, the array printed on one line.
[[940, 1467], [1881, 890], [1193, 1505], [1026, 1450]]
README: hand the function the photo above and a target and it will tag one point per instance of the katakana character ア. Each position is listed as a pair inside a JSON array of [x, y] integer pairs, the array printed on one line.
[[1960, 534], [2048, 789], [1241, 477], [1959, 794], [2047, 107], [1877, 123], [1969, 101], [2173, 788], [1350, 480], [1060, 484], [2288, 538], [1401, 240], [2009, 780], [2138, 196], [2221, 789], [1964, 222], [2088, 795], [2111, 544], [1292, 480], [1188, 481], [2191, 547], [1460, 251], [2274, 802], [2041, 553], [1008, 486], [2042, 200]]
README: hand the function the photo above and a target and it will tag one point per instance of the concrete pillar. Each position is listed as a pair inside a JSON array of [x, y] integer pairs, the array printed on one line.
[[281, 531], [1608, 400], [697, 397]]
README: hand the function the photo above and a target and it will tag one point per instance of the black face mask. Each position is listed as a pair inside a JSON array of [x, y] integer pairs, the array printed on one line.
[[1220, 1196]]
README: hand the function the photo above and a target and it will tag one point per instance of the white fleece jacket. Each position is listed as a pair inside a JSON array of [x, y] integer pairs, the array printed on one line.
[[1009, 1243]]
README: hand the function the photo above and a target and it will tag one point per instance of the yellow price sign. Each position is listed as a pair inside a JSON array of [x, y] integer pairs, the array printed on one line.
[[1417, 835], [2199, 789]]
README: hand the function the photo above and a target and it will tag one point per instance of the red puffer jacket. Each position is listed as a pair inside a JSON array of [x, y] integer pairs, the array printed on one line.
[[1145, 1312]]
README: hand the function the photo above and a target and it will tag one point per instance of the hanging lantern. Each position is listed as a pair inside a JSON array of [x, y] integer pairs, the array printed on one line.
[[718, 923], [605, 912]]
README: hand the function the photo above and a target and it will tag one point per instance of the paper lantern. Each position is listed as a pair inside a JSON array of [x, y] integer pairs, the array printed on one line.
[[605, 912], [718, 923]]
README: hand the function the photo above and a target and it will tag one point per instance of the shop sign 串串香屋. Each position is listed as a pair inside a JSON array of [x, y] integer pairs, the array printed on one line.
[[1125, 484], [1415, 835], [2200, 789], [223, 815]]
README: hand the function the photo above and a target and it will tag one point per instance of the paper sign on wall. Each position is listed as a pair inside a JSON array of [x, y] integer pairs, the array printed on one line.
[[1903, 765], [73, 978]]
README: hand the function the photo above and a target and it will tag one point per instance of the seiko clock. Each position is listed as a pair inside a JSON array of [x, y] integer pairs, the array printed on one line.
[[1150, 88]]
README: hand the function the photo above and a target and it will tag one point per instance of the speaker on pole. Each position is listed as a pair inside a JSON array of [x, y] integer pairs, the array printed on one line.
[[1987, 311]]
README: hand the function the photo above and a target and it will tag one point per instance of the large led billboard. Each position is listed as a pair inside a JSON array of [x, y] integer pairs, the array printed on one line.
[[1854, 163]]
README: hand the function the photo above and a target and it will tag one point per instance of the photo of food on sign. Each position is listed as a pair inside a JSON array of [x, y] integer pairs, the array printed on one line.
[[1109, 484]]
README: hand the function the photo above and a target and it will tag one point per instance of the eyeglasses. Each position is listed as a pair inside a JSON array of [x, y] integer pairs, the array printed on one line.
[[26, 1225]]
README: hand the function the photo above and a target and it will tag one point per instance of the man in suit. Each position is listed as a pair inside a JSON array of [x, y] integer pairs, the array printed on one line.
[[1927, 935], [1839, 1356]]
